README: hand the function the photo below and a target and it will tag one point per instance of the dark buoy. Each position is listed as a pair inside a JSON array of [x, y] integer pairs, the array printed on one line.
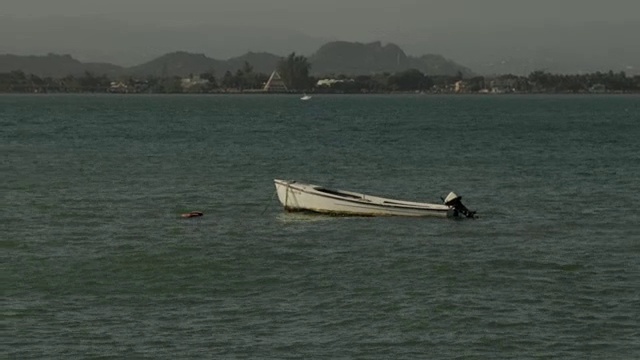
[[192, 214]]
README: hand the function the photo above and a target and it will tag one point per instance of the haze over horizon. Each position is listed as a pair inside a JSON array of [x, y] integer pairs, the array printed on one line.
[[489, 36]]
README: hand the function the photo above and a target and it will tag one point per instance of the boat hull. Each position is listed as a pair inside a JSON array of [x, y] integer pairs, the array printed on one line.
[[312, 198]]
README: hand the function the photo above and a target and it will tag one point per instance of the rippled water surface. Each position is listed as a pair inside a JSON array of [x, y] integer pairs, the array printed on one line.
[[98, 263]]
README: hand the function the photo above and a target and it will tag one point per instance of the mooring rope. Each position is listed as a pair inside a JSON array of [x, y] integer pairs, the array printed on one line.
[[286, 197], [269, 202]]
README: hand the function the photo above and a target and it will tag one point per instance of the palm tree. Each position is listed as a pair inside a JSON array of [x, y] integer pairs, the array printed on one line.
[[294, 70]]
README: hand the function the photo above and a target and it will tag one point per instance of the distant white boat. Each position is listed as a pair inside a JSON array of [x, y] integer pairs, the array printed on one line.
[[305, 97], [295, 196]]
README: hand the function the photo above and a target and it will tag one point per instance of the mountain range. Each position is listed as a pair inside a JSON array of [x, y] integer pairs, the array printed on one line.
[[504, 47], [333, 58]]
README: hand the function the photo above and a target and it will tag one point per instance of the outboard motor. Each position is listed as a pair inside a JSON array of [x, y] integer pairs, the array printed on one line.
[[455, 202]]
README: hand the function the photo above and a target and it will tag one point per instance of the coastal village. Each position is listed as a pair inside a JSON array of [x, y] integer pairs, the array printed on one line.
[[275, 84], [18, 82]]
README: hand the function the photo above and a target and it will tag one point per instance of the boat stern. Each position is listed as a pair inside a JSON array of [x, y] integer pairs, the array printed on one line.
[[455, 202]]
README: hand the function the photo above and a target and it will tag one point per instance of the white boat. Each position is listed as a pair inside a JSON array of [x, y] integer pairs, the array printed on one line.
[[296, 196], [305, 97]]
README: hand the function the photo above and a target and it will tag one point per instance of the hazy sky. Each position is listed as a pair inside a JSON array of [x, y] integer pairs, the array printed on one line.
[[345, 19]]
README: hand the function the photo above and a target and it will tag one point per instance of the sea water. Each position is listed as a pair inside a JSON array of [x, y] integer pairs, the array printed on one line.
[[98, 263]]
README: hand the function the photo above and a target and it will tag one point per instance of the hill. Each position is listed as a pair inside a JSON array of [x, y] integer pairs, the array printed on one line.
[[178, 63], [341, 57], [262, 62], [353, 58], [182, 63], [433, 64], [55, 66]]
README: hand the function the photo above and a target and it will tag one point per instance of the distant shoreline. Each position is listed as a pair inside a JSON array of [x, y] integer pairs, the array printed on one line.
[[234, 94]]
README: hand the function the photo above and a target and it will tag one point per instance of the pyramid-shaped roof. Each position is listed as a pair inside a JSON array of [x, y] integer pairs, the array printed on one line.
[[275, 83]]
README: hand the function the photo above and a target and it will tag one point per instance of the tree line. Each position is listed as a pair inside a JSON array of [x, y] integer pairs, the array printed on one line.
[[295, 72]]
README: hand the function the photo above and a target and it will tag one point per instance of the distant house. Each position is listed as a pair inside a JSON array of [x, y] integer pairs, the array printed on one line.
[[118, 87], [275, 83], [598, 89], [503, 85], [192, 81], [331, 82]]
